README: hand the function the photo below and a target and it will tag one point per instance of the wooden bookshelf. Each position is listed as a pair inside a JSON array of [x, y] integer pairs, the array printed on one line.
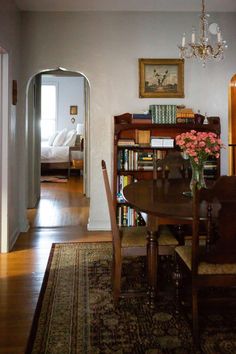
[[136, 161]]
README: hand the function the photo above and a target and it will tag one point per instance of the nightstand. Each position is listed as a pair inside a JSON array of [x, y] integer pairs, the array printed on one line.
[[74, 164]]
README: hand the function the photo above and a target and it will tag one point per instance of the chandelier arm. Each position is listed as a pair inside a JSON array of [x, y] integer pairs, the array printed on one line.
[[203, 50]]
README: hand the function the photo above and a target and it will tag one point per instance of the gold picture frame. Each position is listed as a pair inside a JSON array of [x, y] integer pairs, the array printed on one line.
[[161, 78], [73, 110]]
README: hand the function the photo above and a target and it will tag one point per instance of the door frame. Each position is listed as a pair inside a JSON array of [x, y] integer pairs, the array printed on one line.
[[86, 171], [4, 141], [232, 126]]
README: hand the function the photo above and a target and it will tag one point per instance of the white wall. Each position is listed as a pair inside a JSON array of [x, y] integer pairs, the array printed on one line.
[[10, 41], [105, 47], [70, 93]]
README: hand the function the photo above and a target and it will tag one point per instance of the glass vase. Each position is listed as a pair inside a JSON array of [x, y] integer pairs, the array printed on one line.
[[197, 175]]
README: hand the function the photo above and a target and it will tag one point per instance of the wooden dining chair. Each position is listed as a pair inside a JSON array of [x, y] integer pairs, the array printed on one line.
[[214, 264], [130, 241], [174, 166]]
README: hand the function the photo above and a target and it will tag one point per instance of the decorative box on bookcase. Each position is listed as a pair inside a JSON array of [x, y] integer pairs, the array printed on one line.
[[139, 149]]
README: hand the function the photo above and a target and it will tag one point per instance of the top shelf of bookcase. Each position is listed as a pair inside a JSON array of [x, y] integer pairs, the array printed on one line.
[[180, 127], [121, 125]]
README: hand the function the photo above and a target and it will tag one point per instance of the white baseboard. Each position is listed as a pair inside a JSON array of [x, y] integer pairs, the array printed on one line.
[[99, 226]]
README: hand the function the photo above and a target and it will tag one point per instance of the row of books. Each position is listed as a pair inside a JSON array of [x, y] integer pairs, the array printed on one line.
[[163, 113], [123, 181], [185, 115], [130, 160], [210, 169], [147, 140], [127, 216]]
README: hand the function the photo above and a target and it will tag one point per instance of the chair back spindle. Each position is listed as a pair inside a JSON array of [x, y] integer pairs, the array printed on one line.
[[115, 230]]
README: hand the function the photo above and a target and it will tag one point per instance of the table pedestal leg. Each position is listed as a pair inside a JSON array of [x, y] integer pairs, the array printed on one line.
[[152, 254]]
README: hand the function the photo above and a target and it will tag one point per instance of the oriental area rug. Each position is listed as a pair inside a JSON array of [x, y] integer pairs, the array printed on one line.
[[76, 315]]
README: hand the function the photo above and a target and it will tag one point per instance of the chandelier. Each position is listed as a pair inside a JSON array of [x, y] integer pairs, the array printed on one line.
[[203, 49]]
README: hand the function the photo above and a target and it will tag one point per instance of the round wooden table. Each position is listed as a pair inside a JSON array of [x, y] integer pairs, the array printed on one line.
[[163, 198], [159, 199]]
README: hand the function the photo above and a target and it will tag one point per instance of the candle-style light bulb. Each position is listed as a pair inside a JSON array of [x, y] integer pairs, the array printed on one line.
[[183, 40], [193, 35], [219, 35]]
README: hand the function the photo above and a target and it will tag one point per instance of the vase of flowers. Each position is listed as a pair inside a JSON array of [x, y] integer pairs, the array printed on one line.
[[199, 146]]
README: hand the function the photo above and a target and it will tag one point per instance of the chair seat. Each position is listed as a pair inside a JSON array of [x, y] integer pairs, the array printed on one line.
[[133, 236], [188, 240], [136, 237], [185, 253], [166, 237]]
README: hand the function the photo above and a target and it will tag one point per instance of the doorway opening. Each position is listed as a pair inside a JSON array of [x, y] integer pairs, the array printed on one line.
[[57, 100], [232, 126]]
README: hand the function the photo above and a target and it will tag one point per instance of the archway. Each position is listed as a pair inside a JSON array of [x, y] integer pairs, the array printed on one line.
[[33, 92]]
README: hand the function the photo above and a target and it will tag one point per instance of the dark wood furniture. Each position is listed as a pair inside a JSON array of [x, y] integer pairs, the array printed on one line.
[[125, 169], [75, 164], [160, 199], [126, 241], [213, 265], [131, 241]]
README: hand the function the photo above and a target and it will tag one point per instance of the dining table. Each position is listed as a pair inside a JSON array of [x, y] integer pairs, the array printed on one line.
[[159, 198]]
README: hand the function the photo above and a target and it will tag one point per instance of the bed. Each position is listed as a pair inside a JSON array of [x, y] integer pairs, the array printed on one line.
[[63, 157]]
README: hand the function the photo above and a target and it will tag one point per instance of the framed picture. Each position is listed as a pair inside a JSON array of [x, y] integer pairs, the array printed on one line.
[[161, 78], [73, 110]]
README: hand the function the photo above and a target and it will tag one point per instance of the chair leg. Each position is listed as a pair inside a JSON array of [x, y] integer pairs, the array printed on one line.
[[195, 317], [116, 273], [177, 276]]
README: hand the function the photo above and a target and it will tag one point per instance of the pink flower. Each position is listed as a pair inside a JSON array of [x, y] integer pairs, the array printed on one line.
[[199, 145]]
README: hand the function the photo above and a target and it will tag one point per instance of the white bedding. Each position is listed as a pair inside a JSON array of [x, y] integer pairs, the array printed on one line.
[[56, 154]]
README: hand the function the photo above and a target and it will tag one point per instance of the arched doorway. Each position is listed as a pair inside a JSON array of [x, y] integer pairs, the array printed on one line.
[[33, 116], [232, 126]]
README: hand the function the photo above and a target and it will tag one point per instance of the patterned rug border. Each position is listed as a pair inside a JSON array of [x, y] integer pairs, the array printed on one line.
[[34, 325]]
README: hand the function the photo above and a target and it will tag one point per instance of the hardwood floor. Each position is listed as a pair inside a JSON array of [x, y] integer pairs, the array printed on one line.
[[61, 216]]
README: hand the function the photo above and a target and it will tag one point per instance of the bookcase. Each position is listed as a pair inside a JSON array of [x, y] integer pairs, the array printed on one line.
[[139, 149]]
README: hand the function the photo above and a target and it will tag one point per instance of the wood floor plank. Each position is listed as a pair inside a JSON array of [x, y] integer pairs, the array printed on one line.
[[22, 270]]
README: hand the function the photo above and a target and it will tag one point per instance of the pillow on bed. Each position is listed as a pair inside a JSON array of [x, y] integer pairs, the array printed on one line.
[[70, 138], [52, 138], [60, 138]]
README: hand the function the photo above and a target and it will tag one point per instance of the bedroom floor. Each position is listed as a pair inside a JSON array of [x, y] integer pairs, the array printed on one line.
[[61, 204]]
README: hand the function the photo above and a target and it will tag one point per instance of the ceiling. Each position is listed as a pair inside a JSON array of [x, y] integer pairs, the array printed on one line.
[[126, 5]]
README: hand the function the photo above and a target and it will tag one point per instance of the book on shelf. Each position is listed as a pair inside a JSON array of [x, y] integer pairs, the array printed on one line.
[[185, 120], [127, 216], [142, 137], [126, 142], [185, 115], [162, 142], [185, 112], [145, 156], [141, 118], [163, 113]]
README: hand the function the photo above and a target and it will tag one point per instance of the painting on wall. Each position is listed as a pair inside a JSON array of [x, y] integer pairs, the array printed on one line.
[[161, 78]]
